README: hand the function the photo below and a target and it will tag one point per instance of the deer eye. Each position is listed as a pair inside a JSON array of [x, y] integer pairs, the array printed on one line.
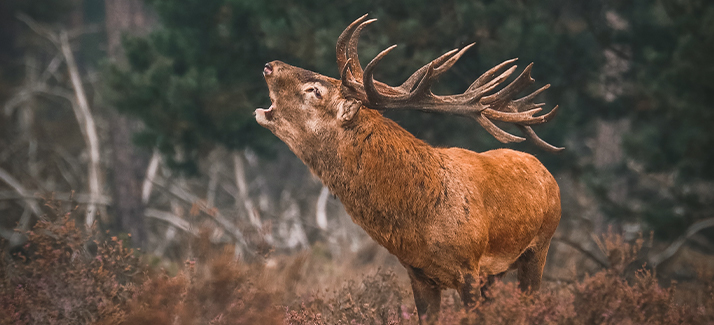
[[314, 91]]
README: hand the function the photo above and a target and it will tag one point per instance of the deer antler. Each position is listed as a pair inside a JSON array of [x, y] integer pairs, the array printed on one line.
[[416, 93]]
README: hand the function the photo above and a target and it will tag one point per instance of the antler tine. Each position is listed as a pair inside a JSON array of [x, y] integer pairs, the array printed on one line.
[[422, 78], [537, 140], [344, 40], [352, 49], [423, 87], [407, 85], [475, 93], [440, 64], [525, 103], [368, 81], [495, 131], [525, 118], [350, 86], [504, 95], [488, 75], [439, 69]]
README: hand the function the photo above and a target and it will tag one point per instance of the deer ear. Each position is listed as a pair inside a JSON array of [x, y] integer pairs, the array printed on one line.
[[348, 109]]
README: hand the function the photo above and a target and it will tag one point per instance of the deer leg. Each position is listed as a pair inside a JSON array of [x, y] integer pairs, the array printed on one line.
[[489, 281], [427, 296], [530, 267], [470, 290]]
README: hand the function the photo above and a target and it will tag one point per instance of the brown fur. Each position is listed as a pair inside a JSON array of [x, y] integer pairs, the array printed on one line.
[[451, 216]]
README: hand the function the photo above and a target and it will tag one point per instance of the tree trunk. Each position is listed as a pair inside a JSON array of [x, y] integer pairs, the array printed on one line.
[[126, 16]]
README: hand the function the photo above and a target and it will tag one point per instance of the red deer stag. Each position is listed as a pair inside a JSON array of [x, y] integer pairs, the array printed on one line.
[[451, 216]]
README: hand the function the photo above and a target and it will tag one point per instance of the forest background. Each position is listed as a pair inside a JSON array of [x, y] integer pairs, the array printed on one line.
[[138, 114]]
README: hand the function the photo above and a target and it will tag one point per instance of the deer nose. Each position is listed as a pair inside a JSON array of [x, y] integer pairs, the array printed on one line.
[[268, 69]]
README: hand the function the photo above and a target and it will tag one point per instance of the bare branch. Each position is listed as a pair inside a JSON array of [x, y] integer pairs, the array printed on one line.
[[582, 250], [321, 214], [81, 198], [212, 182], [8, 151], [39, 29], [214, 213], [677, 244], [86, 29], [243, 191], [172, 219], [6, 233], [16, 100], [51, 68], [150, 175], [17, 186], [79, 104], [86, 124]]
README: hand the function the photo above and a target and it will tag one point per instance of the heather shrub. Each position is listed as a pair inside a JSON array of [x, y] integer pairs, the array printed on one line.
[[66, 275], [606, 298], [377, 299], [611, 296], [214, 288], [506, 304]]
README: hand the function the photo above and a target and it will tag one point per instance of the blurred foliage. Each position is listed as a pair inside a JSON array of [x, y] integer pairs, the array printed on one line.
[[195, 80], [669, 44], [47, 11], [668, 95]]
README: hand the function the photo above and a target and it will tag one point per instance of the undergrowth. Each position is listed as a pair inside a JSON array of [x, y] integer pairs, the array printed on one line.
[[66, 274]]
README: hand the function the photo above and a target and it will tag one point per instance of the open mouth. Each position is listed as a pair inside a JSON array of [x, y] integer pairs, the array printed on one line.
[[267, 113], [267, 69]]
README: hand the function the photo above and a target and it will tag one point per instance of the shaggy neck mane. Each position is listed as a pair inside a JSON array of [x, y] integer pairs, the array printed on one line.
[[384, 176]]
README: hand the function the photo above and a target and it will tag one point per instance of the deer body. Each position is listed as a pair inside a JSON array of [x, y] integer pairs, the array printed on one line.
[[451, 216], [447, 211]]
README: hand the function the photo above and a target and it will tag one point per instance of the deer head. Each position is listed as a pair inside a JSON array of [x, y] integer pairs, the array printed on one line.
[[307, 105]]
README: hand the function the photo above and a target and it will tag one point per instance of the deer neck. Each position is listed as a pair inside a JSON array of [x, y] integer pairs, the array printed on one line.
[[384, 176]]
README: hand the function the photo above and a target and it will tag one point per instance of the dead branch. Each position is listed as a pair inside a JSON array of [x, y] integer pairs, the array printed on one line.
[[171, 219], [212, 183], [243, 192], [66, 174], [31, 207], [81, 198], [212, 212], [150, 175], [169, 235], [15, 101], [321, 214], [79, 104], [51, 68], [6, 233], [39, 29], [10, 150], [24, 193], [582, 250], [86, 124], [677, 244]]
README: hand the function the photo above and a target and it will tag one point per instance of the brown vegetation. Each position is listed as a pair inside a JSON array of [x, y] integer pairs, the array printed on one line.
[[66, 275]]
